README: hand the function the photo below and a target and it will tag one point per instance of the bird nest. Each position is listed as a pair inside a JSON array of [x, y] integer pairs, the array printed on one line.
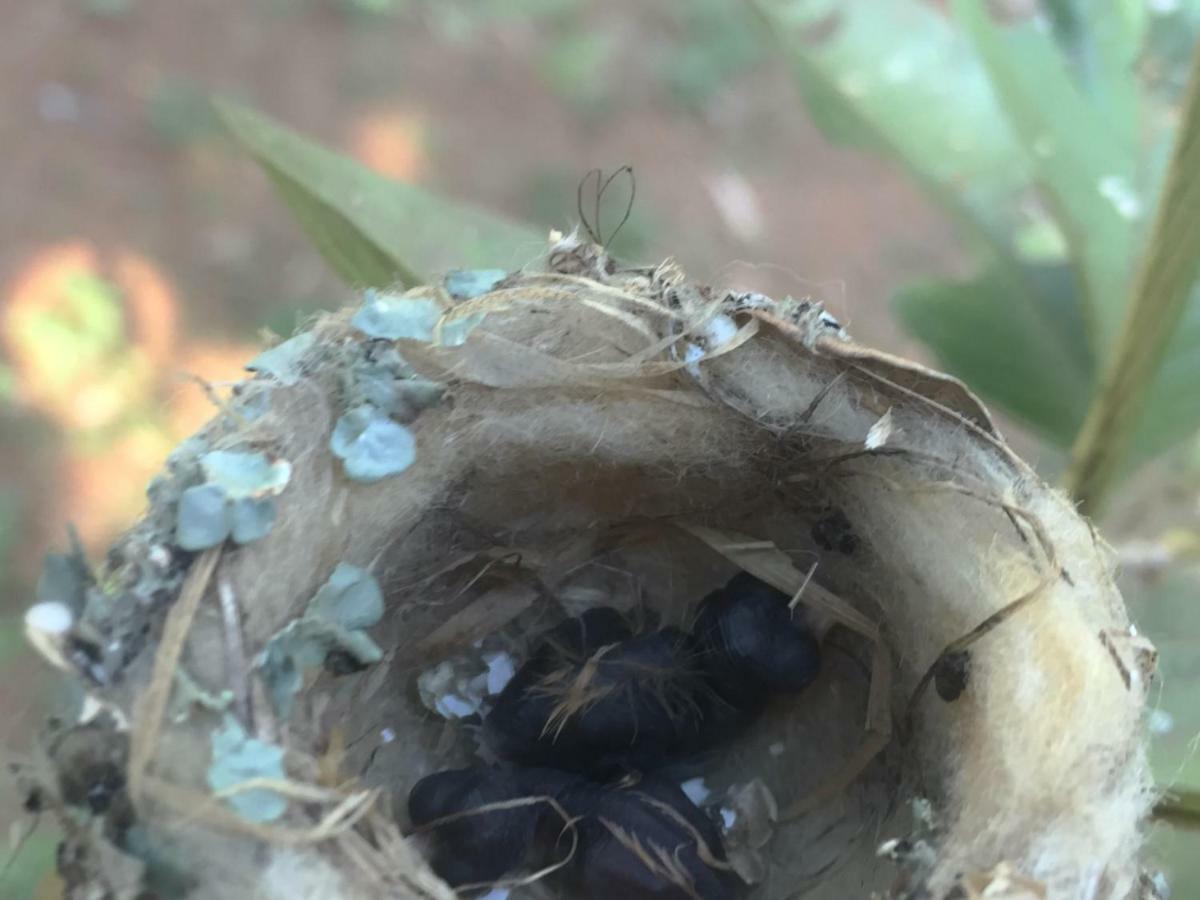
[[406, 495]]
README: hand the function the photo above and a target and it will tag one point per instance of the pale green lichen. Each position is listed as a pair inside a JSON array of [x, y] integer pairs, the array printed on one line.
[[237, 758], [371, 445], [335, 621], [285, 362], [467, 284]]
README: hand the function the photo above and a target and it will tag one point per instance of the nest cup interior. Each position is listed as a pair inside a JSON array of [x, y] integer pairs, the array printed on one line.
[[608, 544]]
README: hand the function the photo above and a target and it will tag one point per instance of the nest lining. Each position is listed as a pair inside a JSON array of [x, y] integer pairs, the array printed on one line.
[[612, 431]]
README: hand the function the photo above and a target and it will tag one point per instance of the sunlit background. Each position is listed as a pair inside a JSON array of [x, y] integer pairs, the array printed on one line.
[[142, 258]]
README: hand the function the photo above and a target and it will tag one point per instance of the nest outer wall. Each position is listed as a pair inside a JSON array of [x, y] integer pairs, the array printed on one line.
[[591, 418]]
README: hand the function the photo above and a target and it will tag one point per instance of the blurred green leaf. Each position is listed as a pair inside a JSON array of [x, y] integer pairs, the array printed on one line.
[[576, 66], [976, 328], [1172, 409], [1082, 150], [1102, 40], [179, 112], [1171, 33], [373, 231], [1146, 397], [895, 76], [716, 43]]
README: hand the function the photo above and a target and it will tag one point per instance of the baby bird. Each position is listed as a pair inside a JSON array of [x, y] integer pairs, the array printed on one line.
[[597, 699], [642, 841]]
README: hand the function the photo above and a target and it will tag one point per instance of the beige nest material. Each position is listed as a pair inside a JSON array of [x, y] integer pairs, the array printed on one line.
[[441, 473]]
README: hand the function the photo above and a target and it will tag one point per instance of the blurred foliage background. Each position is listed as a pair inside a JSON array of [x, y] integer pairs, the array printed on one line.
[[1007, 189]]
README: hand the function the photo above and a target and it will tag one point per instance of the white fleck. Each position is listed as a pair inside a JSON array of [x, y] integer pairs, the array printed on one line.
[[387, 735], [719, 330], [697, 791], [1117, 191], [447, 694], [728, 817], [495, 894], [1162, 7], [1161, 722], [90, 709], [887, 849], [452, 706], [777, 748], [50, 618], [93, 706], [500, 671], [738, 205], [159, 556], [57, 103], [899, 69], [880, 432], [692, 354], [1044, 146], [114, 646], [853, 84]]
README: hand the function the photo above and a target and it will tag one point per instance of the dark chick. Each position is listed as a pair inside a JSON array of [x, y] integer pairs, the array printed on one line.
[[594, 699], [499, 841], [645, 842], [752, 645]]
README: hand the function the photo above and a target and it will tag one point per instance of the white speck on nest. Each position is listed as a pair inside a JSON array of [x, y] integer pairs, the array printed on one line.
[[49, 618], [880, 432], [448, 693], [728, 818], [720, 330], [495, 894], [387, 735], [696, 790], [692, 354], [452, 706], [777, 748], [500, 671]]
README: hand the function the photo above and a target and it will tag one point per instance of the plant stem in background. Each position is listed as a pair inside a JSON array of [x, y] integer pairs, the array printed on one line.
[[1180, 809], [1164, 283]]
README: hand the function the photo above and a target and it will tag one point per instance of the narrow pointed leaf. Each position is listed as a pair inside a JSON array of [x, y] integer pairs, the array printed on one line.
[[374, 232]]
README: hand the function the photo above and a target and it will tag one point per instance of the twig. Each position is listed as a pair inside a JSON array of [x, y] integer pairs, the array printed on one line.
[[152, 705], [235, 651]]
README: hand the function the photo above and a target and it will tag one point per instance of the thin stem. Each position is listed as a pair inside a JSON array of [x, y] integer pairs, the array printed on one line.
[[1164, 283]]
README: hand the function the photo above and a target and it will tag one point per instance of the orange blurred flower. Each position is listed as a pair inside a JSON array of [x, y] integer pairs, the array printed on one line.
[[94, 346], [86, 334], [103, 490], [390, 142]]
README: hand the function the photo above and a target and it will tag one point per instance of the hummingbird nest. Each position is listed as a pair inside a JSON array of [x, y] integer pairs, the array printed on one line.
[[274, 655]]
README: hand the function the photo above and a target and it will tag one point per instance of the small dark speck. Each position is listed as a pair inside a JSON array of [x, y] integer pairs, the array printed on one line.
[[34, 802], [833, 532], [339, 662], [950, 676]]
